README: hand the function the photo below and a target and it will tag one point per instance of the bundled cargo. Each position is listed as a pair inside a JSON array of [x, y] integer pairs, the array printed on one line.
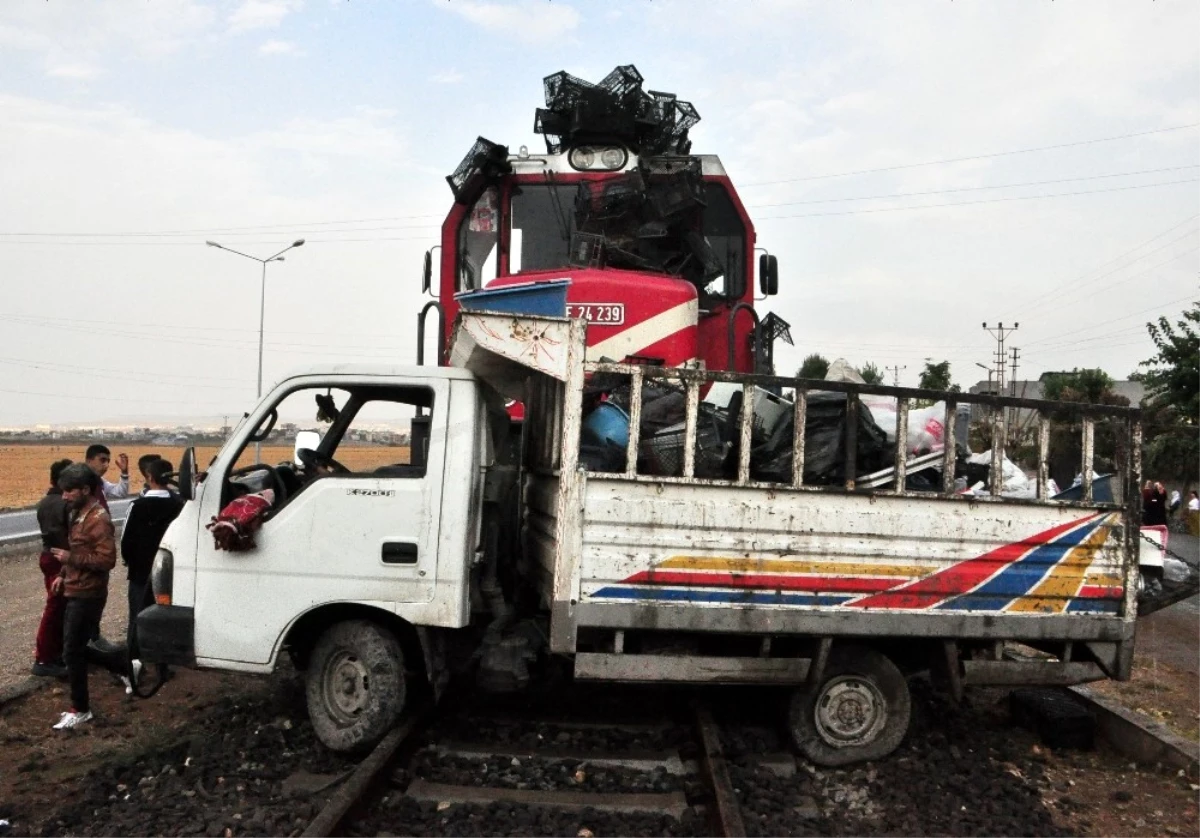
[[617, 109]]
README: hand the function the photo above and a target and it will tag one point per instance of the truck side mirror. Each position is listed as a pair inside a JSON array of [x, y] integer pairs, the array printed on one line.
[[305, 439], [187, 475], [427, 273], [768, 275]]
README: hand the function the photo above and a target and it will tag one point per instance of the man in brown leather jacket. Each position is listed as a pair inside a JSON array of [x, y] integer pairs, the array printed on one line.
[[83, 581]]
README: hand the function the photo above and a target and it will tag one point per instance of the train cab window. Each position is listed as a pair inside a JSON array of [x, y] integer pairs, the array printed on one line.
[[478, 237], [726, 235]]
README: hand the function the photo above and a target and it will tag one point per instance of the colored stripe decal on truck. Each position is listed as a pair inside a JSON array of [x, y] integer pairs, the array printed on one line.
[[1045, 572]]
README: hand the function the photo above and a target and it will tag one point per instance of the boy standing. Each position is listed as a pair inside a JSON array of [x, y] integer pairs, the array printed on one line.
[[83, 581], [149, 518], [98, 458], [52, 521], [144, 461]]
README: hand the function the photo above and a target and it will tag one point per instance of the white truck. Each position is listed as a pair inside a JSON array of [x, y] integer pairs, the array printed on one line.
[[372, 575]]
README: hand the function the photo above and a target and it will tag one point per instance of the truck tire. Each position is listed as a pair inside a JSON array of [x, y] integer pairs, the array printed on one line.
[[355, 685], [859, 711]]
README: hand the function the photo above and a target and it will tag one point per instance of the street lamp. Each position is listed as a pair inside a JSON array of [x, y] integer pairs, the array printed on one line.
[[262, 311], [989, 372]]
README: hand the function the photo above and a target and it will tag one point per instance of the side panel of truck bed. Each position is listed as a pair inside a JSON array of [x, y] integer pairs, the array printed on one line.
[[740, 559]]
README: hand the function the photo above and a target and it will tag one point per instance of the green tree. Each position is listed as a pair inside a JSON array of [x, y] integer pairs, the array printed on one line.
[[1093, 386], [814, 366], [935, 376], [1173, 377], [1172, 402], [1080, 386], [871, 373]]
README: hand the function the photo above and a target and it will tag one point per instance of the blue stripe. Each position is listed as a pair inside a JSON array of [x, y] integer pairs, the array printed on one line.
[[1020, 576], [1089, 605], [748, 597]]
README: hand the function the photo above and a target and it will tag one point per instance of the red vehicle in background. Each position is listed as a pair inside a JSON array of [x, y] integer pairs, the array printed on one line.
[[652, 244]]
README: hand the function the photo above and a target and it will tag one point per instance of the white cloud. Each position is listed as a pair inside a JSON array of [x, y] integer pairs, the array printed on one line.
[[531, 21], [450, 76], [261, 14], [275, 47], [76, 40], [77, 71]]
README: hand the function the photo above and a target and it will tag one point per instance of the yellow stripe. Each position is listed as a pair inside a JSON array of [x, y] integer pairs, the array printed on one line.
[[1104, 580], [792, 567], [1052, 593]]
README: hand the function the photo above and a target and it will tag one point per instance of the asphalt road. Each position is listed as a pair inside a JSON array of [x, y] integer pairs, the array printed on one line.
[[15, 526]]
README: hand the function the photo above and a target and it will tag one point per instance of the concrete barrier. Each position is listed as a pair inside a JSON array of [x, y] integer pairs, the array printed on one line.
[[19, 546], [1138, 738]]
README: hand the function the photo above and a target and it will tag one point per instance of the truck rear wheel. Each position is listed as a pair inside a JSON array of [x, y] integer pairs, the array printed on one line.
[[355, 685], [859, 711]]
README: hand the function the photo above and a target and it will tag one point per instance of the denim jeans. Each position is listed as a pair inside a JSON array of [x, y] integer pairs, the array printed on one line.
[[81, 624]]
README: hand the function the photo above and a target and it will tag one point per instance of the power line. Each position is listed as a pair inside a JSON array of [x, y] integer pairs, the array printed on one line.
[[984, 201], [308, 241], [264, 228], [975, 188], [1137, 275], [976, 156], [1054, 291], [251, 233], [1157, 307]]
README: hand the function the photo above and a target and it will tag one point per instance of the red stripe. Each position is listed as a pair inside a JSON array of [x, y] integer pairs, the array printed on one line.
[[962, 576], [761, 580], [1101, 592]]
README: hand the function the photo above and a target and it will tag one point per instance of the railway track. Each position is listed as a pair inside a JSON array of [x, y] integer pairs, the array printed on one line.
[[591, 759], [561, 774]]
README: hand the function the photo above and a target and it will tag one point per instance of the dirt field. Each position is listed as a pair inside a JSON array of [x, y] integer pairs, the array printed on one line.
[[26, 468]]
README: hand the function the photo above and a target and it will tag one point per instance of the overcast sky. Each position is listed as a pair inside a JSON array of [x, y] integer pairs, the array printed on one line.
[[917, 167]]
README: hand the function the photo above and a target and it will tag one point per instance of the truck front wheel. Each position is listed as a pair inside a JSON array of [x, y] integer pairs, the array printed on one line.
[[859, 711], [355, 685]]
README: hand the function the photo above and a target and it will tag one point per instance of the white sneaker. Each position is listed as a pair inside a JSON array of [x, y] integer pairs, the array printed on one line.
[[72, 719], [130, 683]]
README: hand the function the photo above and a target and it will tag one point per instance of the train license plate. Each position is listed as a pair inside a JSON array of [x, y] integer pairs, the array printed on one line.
[[608, 314]]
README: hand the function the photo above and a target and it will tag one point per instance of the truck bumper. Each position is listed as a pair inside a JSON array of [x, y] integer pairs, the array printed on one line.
[[166, 634]]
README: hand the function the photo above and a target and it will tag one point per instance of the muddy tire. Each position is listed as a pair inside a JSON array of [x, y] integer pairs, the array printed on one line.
[[859, 711], [355, 685]]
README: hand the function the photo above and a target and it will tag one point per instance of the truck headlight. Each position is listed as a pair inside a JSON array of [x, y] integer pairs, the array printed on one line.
[[162, 576]]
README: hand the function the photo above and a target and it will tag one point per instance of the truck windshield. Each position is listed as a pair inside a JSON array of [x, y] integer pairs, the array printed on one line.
[[543, 221]]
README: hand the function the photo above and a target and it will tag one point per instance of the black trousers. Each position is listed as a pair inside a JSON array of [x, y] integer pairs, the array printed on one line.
[[80, 624], [140, 597]]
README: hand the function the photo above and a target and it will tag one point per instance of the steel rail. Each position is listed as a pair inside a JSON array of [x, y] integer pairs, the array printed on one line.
[[729, 811], [364, 776]]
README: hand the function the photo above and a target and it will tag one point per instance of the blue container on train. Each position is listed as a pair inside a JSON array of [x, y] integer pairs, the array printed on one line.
[[548, 298], [607, 423]]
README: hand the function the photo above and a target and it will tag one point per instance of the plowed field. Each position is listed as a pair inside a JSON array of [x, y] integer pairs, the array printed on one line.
[[25, 469]]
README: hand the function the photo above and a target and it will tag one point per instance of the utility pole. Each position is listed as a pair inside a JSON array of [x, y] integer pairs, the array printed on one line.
[[1000, 333], [896, 374], [1016, 413], [1013, 385]]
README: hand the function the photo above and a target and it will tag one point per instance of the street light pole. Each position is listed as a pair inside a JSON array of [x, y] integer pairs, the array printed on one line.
[[262, 313]]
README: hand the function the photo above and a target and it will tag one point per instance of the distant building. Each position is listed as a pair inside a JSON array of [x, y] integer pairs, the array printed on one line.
[[1132, 390]]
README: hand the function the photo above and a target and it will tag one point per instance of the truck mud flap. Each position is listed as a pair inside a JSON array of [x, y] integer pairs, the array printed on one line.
[[166, 634]]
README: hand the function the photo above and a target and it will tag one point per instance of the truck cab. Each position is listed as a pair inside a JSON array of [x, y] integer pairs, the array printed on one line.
[[351, 537]]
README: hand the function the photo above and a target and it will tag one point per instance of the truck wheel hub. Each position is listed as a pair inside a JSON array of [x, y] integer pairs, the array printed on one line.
[[850, 711], [346, 682]]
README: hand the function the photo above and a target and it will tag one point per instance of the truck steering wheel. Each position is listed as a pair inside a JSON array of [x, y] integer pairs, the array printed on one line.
[[316, 461]]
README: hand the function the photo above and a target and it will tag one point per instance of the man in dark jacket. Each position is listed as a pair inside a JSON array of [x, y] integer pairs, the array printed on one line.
[[149, 518], [52, 521], [83, 581]]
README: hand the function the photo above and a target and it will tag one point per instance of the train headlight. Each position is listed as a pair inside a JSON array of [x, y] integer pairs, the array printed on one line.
[[587, 158]]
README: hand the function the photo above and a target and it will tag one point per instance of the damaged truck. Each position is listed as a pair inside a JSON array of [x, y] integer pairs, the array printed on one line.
[[606, 475]]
